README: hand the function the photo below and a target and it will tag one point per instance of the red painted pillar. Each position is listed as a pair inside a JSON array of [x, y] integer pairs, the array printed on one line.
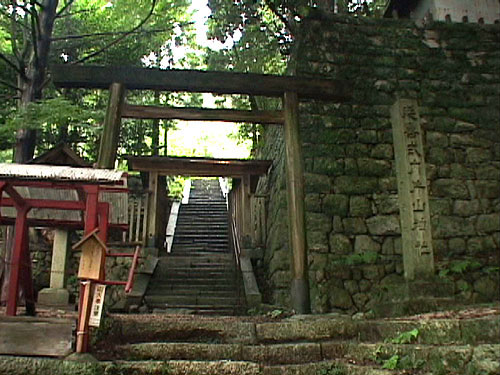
[[20, 246], [91, 203], [87, 287], [103, 211], [27, 279]]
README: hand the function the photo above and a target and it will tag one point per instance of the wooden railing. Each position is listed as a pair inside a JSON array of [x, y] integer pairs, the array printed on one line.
[[242, 240], [138, 210]]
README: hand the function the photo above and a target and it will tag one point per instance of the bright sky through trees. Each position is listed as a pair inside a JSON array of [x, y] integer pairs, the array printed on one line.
[[198, 138]]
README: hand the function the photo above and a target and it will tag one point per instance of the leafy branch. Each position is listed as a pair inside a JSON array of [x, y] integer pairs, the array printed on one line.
[[122, 37]]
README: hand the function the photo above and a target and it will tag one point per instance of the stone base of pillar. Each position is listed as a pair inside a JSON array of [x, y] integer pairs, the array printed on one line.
[[53, 297], [414, 297]]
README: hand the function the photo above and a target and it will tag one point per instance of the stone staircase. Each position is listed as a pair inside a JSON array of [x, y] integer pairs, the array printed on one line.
[[462, 342], [199, 275]]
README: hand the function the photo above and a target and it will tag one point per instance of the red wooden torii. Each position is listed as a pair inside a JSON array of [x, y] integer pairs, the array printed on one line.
[[88, 182]]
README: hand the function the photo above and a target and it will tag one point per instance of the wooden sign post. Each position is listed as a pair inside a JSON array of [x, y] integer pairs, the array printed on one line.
[[90, 271]]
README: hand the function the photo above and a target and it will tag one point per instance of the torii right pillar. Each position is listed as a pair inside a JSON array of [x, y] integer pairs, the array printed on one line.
[[296, 213]]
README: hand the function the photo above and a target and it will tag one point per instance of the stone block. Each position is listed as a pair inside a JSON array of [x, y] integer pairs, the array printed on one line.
[[436, 139], [313, 202], [318, 222], [360, 300], [53, 297], [386, 204], [488, 223], [457, 245], [373, 272], [461, 171], [360, 206], [354, 225], [356, 185], [383, 225], [374, 167], [336, 204], [478, 155], [340, 244], [388, 184], [317, 183], [467, 207], [451, 226], [365, 243], [388, 246], [488, 172], [438, 156], [367, 136], [328, 166], [351, 167], [340, 298], [440, 206], [487, 189], [449, 188], [382, 151], [488, 287], [317, 241]]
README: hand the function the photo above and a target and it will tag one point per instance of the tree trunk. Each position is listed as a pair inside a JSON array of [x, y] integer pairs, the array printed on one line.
[[31, 83], [34, 77]]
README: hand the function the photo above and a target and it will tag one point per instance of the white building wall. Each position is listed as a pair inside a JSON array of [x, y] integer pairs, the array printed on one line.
[[474, 10]]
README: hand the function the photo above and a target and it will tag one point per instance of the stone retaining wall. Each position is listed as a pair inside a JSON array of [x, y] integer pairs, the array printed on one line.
[[352, 210]]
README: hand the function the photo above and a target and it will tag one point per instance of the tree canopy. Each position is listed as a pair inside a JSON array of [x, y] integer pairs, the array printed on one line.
[[34, 34]]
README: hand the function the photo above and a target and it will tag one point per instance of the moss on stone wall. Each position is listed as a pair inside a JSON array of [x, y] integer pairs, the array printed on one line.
[[351, 192]]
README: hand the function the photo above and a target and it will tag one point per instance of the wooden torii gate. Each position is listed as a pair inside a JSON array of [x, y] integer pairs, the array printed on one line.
[[290, 89]]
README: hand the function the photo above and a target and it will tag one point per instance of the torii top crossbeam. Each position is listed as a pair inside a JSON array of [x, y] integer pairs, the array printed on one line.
[[135, 78]]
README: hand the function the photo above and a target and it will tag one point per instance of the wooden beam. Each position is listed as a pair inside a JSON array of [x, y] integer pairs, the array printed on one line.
[[202, 114], [296, 212], [154, 191], [135, 78], [29, 336], [109, 140], [199, 166]]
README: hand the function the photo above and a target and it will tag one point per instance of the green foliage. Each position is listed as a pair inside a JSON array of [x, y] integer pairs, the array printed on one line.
[[6, 156], [102, 22], [391, 363], [406, 337], [490, 270], [459, 267], [367, 257], [176, 187], [333, 369], [56, 120]]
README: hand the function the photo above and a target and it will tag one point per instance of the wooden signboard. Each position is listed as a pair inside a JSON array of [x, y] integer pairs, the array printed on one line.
[[92, 261], [97, 305]]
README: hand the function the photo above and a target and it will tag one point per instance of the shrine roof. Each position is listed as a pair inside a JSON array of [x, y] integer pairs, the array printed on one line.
[[59, 173]]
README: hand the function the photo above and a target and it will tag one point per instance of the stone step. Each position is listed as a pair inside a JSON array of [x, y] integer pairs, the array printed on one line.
[[202, 251], [201, 239], [45, 366], [196, 267], [202, 205], [199, 257], [191, 300], [188, 231], [191, 265], [192, 275], [217, 291], [161, 282], [198, 250], [449, 358], [330, 327]]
